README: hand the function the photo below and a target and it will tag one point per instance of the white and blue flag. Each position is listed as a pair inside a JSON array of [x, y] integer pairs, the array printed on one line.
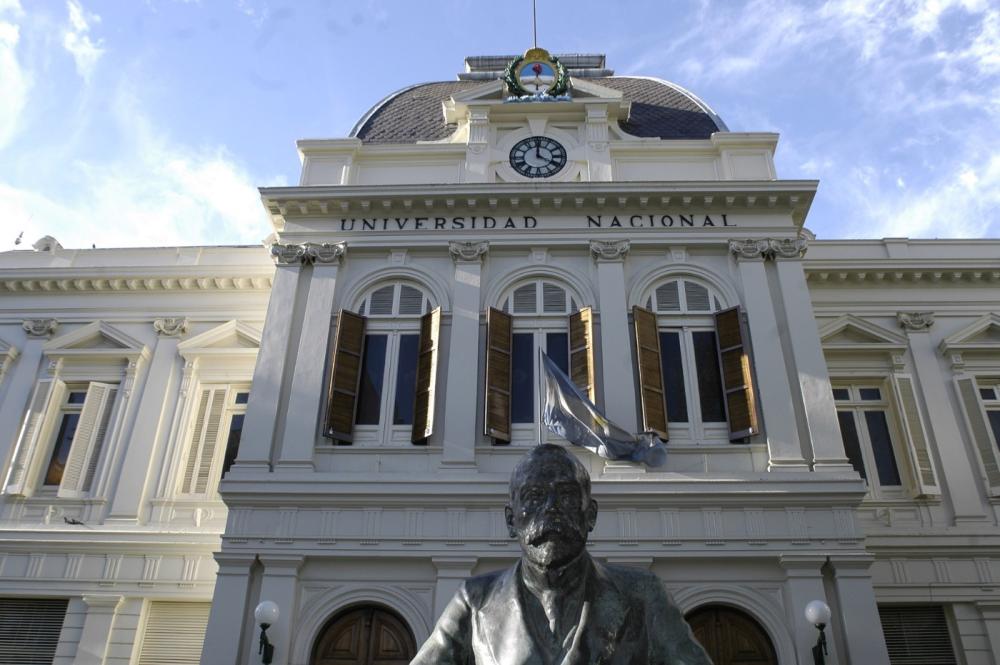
[[569, 414]]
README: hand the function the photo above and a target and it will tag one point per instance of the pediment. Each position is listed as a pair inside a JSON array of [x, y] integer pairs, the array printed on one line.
[[491, 96], [230, 338], [99, 339], [981, 335], [854, 333]]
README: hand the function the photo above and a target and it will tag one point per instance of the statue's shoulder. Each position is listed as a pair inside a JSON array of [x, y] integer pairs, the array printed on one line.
[[479, 588], [633, 581]]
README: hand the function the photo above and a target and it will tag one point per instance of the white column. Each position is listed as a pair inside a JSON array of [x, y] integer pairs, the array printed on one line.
[[803, 584], [229, 608], [93, 646], [279, 584], [462, 389], [126, 505], [22, 382], [773, 391], [990, 612], [810, 364], [451, 572], [857, 620], [262, 409], [305, 399], [616, 347], [959, 476]]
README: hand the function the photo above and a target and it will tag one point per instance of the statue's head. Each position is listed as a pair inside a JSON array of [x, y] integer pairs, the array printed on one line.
[[550, 510]]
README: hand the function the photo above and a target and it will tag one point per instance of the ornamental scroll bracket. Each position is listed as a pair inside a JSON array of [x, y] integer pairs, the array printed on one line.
[[171, 327], [308, 253], [610, 250], [468, 251], [915, 321], [40, 327], [769, 249]]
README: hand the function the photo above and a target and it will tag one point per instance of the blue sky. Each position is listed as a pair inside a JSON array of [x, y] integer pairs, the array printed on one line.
[[151, 122]]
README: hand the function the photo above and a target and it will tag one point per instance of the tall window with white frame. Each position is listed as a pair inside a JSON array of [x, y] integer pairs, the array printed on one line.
[[870, 434], [214, 436], [81, 428], [67, 422], [989, 391]]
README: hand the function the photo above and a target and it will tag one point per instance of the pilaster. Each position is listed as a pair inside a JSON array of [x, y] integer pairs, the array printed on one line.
[[803, 584], [93, 646], [229, 610], [616, 348], [857, 616], [279, 583], [461, 405], [451, 572], [773, 390], [959, 474], [305, 397], [990, 611]]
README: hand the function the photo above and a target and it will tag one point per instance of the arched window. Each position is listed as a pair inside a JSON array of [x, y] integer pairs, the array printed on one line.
[[366, 635], [380, 391], [534, 315]]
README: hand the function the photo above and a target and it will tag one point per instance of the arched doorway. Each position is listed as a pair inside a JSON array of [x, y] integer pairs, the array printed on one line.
[[731, 637], [367, 635]]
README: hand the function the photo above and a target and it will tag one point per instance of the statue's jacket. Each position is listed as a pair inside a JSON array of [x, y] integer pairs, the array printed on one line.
[[627, 618]]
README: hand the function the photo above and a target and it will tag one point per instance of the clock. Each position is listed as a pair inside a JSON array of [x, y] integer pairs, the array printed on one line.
[[538, 157]]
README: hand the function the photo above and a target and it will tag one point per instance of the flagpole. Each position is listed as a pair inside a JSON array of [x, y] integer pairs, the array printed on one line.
[[534, 25]]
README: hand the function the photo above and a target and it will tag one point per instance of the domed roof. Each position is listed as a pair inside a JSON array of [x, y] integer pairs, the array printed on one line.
[[660, 109]]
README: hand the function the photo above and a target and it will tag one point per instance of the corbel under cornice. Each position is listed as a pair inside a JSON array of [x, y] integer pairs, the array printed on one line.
[[50, 282]]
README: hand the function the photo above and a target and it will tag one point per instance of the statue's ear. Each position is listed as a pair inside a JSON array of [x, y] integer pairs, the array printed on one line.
[[508, 514], [591, 515]]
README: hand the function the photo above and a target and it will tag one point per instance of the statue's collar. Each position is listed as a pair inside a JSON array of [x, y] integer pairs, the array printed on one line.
[[564, 578]]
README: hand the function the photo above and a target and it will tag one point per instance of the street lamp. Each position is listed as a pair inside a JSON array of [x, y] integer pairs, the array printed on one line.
[[818, 614], [266, 614]]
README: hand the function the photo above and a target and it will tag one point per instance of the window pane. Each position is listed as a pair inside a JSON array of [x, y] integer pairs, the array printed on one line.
[[994, 417], [871, 394], [557, 346], [372, 373], [989, 394], [242, 398], [706, 360], [76, 397], [841, 394], [522, 379], [852, 446], [673, 377], [233, 441], [67, 428], [406, 380], [885, 457]]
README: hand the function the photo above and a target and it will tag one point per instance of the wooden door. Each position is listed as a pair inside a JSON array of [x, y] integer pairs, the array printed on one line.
[[365, 636], [731, 637]]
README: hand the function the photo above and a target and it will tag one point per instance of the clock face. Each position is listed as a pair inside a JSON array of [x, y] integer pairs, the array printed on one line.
[[538, 157]]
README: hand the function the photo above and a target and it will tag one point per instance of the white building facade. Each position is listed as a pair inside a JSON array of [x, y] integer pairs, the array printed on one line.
[[831, 408]]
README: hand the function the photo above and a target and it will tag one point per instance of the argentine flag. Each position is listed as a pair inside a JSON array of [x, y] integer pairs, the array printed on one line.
[[569, 414]]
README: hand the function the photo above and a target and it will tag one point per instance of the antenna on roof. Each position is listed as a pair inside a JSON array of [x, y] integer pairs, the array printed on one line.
[[534, 23]]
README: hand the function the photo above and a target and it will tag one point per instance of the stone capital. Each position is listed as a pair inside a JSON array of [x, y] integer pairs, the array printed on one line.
[[288, 255], [610, 250], [788, 248], [750, 248], [915, 321], [40, 327], [171, 327], [324, 253], [468, 251]]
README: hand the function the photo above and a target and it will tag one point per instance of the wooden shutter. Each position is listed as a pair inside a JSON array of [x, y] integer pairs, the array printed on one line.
[[581, 351], [345, 375], [423, 403], [925, 479], [204, 440], [88, 441], [737, 378], [174, 633], [647, 353], [917, 635], [47, 393], [29, 629], [499, 340], [979, 427]]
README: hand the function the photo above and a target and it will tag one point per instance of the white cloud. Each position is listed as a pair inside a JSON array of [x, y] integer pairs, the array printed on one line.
[[15, 77], [76, 39]]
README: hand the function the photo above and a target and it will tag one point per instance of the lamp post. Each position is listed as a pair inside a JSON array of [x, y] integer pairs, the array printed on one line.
[[818, 614], [266, 614]]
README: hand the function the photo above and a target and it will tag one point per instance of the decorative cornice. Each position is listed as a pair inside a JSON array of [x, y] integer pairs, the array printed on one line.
[[610, 250], [172, 327], [750, 248], [769, 248], [915, 321], [288, 255], [468, 251], [830, 274], [788, 248], [92, 284], [40, 327], [306, 253]]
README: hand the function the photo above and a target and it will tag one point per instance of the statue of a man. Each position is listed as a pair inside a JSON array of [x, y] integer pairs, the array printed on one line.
[[558, 605]]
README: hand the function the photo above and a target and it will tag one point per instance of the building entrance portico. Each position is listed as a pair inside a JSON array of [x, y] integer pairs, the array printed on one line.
[[731, 637]]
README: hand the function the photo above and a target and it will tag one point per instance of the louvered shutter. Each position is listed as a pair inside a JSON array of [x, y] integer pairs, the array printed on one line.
[[581, 351], [88, 441], [917, 635], [925, 481], [204, 440], [737, 377], [647, 353], [47, 393], [345, 374], [29, 629], [979, 427], [174, 633], [499, 339], [423, 403]]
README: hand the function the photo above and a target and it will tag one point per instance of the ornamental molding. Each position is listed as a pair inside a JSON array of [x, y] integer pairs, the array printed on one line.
[[833, 275], [40, 327], [288, 255], [37, 285], [769, 248], [788, 248], [915, 321], [749, 249], [307, 253], [610, 250], [468, 251], [171, 327]]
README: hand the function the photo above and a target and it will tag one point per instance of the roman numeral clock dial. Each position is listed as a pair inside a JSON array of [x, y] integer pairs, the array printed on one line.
[[538, 157]]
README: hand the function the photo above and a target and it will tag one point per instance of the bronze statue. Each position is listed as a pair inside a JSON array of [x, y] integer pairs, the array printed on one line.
[[558, 605]]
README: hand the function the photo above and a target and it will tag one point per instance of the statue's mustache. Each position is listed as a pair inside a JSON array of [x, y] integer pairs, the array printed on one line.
[[542, 528]]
